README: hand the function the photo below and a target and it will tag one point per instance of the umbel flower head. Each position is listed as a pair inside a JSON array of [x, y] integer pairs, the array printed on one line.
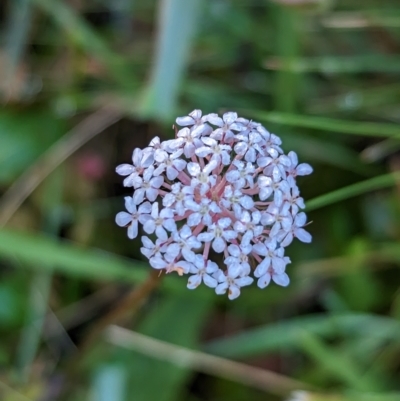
[[223, 184]]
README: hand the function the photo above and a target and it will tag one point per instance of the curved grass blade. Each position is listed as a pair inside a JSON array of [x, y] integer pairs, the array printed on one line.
[[285, 335], [383, 181], [327, 124], [45, 253]]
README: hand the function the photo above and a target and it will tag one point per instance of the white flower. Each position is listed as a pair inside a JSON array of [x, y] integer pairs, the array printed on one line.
[[177, 197], [279, 277], [141, 160], [265, 185], [249, 145], [148, 187], [239, 259], [169, 266], [219, 234], [159, 221], [235, 199], [275, 164], [202, 270], [296, 230], [281, 190], [160, 149], [172, 164], [220, 153], [134, 216], [295, 169], [250, 225], [194, 118], [151, 249], [224, 184], [201, 176], [188, 140], [183, 243], [203, 211], [274, 256], [231, 282], [242, 175], [277, 219], [227, 124], [293, 201]]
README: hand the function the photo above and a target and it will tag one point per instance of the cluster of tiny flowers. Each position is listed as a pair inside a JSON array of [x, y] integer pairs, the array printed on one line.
[[223, 184]]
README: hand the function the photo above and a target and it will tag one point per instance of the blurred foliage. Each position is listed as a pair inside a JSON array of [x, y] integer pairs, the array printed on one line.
[[322, 74]]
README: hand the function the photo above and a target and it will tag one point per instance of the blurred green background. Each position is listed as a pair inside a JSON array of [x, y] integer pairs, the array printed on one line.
[[82, 83]]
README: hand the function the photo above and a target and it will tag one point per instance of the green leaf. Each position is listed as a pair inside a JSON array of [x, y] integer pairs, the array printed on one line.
[[19, 146], [177, 320]]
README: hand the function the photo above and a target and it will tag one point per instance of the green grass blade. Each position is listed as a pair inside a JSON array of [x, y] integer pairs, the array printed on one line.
[[327, 124], [326, 151], [338, 64], [383, 181], [338, 365], [17, 36], [285, 335], [82, 35], [45, 253], [41, 282], [177, 25]]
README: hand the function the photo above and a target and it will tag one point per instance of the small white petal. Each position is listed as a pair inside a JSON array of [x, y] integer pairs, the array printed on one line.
[[194, 281], [230, 117], [243, 281], [172, 173], [185, 121], [293, 158], [194, 219], [138, 196], [123, 219], [170, 225], [210, 281], [193, 169], [264, 280], [303, 235], [221, 288], [151, 194], [304, 169], [247, 202], [157, 263], [218, 245], [224, 222], [145, 208], [124, 169], [234, 292], [149, 226], [133, 230], [205, 237], [281, 279]]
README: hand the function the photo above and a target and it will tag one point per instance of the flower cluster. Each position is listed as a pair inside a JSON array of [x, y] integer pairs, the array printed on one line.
[[223, 184]]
